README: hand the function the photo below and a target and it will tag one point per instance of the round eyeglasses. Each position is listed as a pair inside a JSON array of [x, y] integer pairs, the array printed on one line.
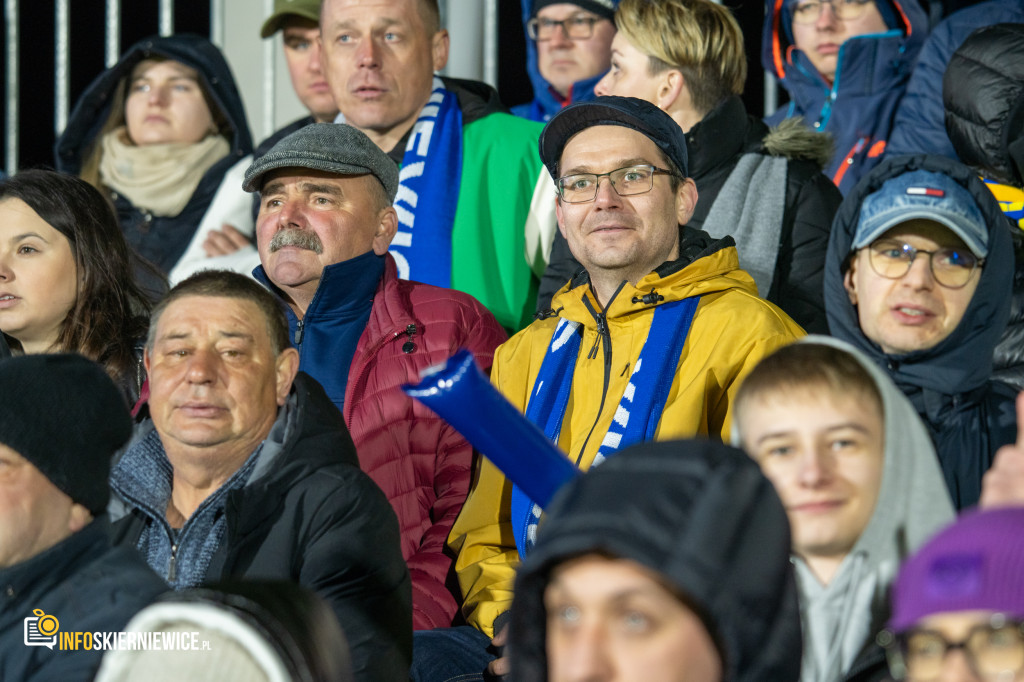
[[582, 187], [576, 27], [808, 12], [951, 267], [994, 651]]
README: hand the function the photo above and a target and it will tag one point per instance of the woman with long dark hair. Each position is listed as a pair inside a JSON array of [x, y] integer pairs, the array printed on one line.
[[66, 276]]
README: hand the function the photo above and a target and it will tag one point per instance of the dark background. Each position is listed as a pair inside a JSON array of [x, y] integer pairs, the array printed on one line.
[[139, 18]]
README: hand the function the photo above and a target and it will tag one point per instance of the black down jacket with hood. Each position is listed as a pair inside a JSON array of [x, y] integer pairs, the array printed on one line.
[[160, 240], [702, 516], [968, 414], [983, 96]]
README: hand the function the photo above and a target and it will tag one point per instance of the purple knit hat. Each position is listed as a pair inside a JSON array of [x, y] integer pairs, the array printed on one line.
[[975, 564]]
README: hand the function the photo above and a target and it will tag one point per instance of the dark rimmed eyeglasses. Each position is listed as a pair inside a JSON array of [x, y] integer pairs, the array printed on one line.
[[807, 12], [582, 187], [576, 27], [994, 651], [951, 267]]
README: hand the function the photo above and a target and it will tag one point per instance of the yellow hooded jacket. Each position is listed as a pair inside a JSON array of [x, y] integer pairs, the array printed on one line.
[[731, 331]]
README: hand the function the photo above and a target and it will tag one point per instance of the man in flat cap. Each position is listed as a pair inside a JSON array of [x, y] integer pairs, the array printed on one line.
[[325, 223], [224, 238], [649, 342], [61, 420]]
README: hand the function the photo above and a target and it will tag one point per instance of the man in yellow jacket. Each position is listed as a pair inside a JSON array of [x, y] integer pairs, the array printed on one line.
[[649, 341]]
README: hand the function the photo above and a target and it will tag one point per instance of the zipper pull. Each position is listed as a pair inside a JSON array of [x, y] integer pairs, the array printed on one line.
[[172, 567], [601, 330], [409, 346], [298, 332]]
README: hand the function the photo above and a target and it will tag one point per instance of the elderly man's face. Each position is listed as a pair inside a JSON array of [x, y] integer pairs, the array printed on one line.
[[34, 514], [215, 384], [913, 312], [613, 620], [310, 219], [562, 60], [380, 61]]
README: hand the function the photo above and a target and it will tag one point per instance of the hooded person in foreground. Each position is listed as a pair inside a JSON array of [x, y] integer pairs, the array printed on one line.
[[861, 485], [918, 277], [670, 561]]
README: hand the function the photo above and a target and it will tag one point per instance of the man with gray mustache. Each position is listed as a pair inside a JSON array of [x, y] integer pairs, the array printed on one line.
[[325, 223]]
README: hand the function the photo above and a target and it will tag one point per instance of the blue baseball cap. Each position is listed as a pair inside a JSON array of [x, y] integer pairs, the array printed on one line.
[[922, 195], [628, 112]]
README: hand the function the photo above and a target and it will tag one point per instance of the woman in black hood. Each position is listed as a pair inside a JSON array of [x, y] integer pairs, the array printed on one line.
[[699, 522], [156, 133]]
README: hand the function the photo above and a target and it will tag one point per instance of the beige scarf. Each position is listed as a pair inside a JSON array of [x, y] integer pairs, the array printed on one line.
[[159, 178]]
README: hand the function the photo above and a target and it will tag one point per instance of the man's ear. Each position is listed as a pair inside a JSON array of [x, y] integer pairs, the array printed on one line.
[[78, 518], [387, 226], [440, 44], [848, 283], [287, 367], [558, 216], [670, 87], [686, 200], [146, 359]]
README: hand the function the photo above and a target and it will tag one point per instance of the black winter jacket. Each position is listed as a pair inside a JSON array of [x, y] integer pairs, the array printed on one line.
[[314, 518], [714, 147], [87, 585], [984, 111], [968, 415], [160, 240]]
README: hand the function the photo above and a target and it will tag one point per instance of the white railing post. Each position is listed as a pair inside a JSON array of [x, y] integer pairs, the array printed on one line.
[[11, 88], [166, 17], [61, 78]]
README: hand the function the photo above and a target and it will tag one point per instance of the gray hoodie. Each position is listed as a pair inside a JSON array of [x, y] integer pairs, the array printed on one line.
[[840, 619]]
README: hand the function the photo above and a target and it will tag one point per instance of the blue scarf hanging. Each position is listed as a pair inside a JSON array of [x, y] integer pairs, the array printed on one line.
[[428, 191], [639, 410]]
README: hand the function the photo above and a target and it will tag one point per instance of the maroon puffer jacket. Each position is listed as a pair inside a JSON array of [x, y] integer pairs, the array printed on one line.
[[422, 464]]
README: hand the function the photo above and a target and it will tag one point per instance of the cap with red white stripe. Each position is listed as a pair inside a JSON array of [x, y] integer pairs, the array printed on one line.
[[922, 195]]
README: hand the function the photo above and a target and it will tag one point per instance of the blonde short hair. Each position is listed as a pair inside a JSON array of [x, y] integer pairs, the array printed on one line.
[[700, 38]]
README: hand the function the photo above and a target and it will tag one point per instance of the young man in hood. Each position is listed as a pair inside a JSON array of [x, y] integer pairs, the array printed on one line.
[[649, 342], [845, 64], [567, 52], [857, 474], [641, 571], [918, 277]]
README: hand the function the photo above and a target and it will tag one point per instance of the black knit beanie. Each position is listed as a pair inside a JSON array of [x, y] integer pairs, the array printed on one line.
[[64, 415], [602, 8]]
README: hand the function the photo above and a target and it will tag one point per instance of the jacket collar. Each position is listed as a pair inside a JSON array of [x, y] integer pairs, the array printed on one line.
[[56, 562], [718, 138]]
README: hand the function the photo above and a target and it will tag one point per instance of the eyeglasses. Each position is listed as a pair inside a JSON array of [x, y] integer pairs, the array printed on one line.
[[951, 267], [994, 651], [576, 27], [845, 10], [580, 188]]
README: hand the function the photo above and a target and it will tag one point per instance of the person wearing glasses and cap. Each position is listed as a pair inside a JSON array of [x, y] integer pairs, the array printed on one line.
[[918, 276], [958, 604], [649, 342], [845, 65], [568, 50]]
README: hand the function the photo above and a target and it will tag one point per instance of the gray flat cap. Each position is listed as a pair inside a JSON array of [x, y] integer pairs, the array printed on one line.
[[328, 147]]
